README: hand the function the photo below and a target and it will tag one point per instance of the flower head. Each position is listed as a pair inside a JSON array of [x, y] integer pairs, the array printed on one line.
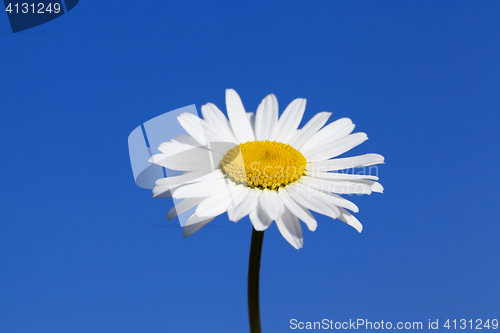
[[264, 166]]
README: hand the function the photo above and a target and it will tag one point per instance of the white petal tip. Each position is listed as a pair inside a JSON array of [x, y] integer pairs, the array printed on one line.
[[377, 187], [161, 192], [201, 214], [260, 227], [156, 158]]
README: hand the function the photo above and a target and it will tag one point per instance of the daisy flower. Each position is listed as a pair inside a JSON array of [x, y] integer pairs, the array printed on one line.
[[264, 166]]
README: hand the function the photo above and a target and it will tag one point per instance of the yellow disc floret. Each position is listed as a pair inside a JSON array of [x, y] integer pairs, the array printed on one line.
[[263, 164]]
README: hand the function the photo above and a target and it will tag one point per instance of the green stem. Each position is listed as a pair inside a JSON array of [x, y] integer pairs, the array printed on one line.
[[253, 281]]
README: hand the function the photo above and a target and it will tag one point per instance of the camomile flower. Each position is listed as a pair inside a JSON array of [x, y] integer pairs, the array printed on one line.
[[264, 166]]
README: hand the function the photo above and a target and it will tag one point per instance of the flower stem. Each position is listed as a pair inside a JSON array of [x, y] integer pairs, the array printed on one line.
[[253, 280]]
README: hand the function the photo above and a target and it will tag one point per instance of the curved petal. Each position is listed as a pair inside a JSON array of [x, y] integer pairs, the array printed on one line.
[[216, 174], [290, 120], [186, 140], [308, 201], [337, 186], [195, 223], [214, 116], [183, 207], [339, 175], [198, 159], [271, 203], [211, 132], [331, 132], [247, 206], [309, 129], [266, 118], [188, 176], [335, 148], [290, 229], [296, 209], [251, 119], [192, 125], [162, 191], [201, 189], [240, 124], [173, 147], [260, 220], [326, 198], [376, 187], [214, 205], [348, 218], [346, 163], [238, 193]]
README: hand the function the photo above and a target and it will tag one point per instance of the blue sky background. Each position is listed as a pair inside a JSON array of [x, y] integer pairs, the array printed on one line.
[[83, 249]]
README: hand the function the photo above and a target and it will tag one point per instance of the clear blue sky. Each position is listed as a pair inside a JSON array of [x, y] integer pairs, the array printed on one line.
[[83, 249]]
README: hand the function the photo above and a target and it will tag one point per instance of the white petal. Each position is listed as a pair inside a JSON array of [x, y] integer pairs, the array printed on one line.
[[290, 229], [195, 223], [185, 177], [290, 120], [337, 186], [245, 207], [376, 187], [211, 132], [213, 115], [183, 207], [331, 199], [339, 175], [221, 147], [260, 220], [214, 205], [240, 124], [348, 218], [266, 118], [335, 148], [201, 189], [346, 163], [186, 139], [162, 191], [309, 129], [188, 160], [172, 183], [372, 185], [296, 209], [251, 119], [216, 174], [271, 203], [308, 201], [329, 133], [328, 199], [237, 193], [172, 148], [192, 125]]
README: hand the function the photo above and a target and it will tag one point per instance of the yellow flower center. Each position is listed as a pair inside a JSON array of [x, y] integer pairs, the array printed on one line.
[[263, 164]]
